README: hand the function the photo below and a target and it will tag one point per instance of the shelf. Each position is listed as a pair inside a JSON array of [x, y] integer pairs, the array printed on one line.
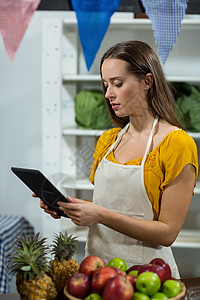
[[81, 239], [81, 184], [192, 79], [78, 131], [97, 78], [188, 239], [130, 20], [85, 184], [197, 188], [78, 77], [194, 135], [82, 132]]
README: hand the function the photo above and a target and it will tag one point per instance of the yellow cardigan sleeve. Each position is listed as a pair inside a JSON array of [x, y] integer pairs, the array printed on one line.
[[103, 144], [177, 151]]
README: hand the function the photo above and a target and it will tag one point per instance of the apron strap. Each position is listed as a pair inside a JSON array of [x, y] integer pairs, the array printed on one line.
[[149, 141], [118, 139], [143, 162]]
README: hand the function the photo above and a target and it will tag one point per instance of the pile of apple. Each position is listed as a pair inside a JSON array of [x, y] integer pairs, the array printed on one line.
[[96, 280]]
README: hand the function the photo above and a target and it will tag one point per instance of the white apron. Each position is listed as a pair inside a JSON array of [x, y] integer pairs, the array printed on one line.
[[121, 188]]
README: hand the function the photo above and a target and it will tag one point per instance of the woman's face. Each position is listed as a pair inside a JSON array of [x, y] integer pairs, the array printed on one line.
[[125, 92]]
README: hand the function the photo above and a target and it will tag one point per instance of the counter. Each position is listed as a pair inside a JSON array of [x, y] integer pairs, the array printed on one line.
[[189, 282]]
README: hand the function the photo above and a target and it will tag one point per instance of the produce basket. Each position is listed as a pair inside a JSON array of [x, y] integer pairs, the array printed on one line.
[[182, 293], [178, 297], [70, 297]]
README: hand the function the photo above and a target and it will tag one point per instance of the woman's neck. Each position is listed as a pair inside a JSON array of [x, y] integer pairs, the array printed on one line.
[[141, 123]]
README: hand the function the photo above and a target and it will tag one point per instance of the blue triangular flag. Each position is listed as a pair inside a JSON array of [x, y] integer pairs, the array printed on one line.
[[166, 17], [93, 21]]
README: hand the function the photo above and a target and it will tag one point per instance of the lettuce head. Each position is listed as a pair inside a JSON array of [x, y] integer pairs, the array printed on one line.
[[91, 111]]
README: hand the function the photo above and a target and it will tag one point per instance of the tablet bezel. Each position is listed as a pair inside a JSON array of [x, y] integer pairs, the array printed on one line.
[[42, 187]]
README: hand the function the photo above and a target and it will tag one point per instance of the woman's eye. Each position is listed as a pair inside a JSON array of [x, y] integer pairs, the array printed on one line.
[[118, 84]]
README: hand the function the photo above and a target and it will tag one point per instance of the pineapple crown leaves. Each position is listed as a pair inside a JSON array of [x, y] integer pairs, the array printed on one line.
[[64, 246], [29, 258]]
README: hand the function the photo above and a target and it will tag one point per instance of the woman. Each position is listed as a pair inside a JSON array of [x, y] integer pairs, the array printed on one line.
[[145, 169]]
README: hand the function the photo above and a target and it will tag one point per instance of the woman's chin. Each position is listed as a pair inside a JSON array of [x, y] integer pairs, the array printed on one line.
[[121, 114]]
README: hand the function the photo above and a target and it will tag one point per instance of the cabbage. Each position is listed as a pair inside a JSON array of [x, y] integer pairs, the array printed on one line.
[[91, 111], [189, 105]]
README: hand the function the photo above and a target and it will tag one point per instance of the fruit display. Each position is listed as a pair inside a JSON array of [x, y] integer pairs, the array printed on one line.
[[160, 262], [152, 281], [79, 285], [118, 263], [63, 266], [90, 264], [30, 265], [134, 270], [39, 277]]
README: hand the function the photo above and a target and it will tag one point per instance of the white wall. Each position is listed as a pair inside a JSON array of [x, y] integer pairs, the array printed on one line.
[[20, 121]]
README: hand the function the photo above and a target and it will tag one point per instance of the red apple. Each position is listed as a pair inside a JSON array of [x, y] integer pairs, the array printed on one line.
[[118, 287], [100, 278], [119, 272], [161, 262], [134, 268], [159, 270], [78, 285], [91, 263], [131, 278]]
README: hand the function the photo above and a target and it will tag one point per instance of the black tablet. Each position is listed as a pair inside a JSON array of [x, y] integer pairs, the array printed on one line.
[[42, 187]]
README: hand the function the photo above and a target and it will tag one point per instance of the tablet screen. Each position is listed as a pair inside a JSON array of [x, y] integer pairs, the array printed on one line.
[[42, 187]]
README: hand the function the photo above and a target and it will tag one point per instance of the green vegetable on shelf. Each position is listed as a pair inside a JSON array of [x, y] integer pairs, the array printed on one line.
[[189, 105], [91, 111]]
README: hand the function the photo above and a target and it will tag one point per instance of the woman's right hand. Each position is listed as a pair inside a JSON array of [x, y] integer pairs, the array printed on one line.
[[47, 210]]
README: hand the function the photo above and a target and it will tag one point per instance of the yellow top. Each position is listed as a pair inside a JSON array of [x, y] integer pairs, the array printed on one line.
[[162, 165]]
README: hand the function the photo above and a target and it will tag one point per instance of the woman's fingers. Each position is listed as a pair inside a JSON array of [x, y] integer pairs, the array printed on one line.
[[52, 213], [48, 211], [43, 205], [75, 200], [55, 215]]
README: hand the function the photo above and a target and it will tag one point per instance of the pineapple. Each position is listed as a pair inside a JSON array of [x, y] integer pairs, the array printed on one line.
[[29, 264], [63, 265]]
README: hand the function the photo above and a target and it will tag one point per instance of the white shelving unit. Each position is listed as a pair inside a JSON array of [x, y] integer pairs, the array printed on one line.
[[188, 239], [67, 148], [82, 132]]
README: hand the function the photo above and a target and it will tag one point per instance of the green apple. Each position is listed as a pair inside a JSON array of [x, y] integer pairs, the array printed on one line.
[[171, 288], [93, 296], [140, 296], [118, 263], [148, 283], [159, 296], [134, 273]]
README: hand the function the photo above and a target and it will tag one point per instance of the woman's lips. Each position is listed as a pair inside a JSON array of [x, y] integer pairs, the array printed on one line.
[[115, 105]]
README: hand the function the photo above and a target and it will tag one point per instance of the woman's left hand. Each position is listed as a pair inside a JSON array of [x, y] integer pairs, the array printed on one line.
[[81, 212]]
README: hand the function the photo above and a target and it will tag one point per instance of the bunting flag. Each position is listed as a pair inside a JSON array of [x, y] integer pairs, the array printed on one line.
[[166, 17], [15, 16], [93, 21]]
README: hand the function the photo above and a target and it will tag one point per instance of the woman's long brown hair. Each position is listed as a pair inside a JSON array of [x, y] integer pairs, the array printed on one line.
[[141, 60]]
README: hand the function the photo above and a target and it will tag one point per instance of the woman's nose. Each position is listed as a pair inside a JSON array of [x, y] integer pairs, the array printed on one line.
[[109, 92]]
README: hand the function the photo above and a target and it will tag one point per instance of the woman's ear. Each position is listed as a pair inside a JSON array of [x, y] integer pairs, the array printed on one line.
[[148, 81]]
